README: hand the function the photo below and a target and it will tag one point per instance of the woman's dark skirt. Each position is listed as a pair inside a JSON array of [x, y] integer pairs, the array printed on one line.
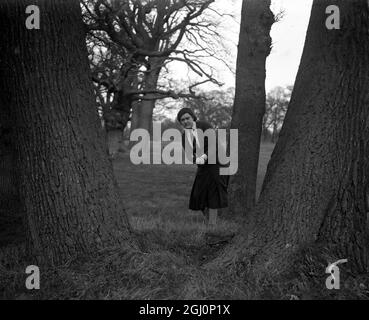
[[209, 189]]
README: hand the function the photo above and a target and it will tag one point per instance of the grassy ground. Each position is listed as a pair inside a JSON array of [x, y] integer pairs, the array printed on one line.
[[156, 198], [176, 247]]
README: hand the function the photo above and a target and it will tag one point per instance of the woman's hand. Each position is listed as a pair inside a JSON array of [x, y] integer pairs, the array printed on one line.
[[201, 160]]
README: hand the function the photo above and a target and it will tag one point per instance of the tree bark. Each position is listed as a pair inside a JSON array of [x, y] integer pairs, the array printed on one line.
[[123, 101], [8, 176], [249, 105], [142, 111], [66, 180], [316, 187], [124, 106], [11, 210]]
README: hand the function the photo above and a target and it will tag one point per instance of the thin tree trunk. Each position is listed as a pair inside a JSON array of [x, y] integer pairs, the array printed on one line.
[[136, 114], [142, 111], [275, 131], [124, 105], [249, 106], [316, 186], [66, 180], [122, 100], [146, 113]]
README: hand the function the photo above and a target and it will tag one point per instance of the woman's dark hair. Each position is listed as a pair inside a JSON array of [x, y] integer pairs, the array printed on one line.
[[186, 110]]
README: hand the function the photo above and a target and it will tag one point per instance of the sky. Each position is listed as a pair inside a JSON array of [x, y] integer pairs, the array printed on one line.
[[288, 36]]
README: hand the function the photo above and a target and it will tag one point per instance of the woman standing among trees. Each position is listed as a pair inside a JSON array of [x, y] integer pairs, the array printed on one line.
[[209, 190]]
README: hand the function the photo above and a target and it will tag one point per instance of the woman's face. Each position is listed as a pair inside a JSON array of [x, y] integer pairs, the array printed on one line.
[[187, 121]]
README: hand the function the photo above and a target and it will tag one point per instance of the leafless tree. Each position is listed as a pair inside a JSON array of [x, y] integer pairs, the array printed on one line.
[[132, 43], [66, 182], [275, 111]]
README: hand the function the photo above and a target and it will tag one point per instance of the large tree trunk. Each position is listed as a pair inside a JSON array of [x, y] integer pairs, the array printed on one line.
[[11, 214], [8, 188], [66, 180], [249, 106], [315, 192], [8, 175]]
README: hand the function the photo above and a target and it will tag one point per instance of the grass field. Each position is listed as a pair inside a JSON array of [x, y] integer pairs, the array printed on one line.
[[156, 199], [176, 246], [175, 240]]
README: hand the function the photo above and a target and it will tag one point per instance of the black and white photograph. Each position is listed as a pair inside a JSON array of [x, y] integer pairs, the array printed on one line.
[[197, 151]]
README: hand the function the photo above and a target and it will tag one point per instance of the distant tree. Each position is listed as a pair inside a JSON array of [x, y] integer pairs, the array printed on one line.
[[249, 105], [276, 107], [66, 181], [169, 124], [108, 63], [215, 107], [141, 38]]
